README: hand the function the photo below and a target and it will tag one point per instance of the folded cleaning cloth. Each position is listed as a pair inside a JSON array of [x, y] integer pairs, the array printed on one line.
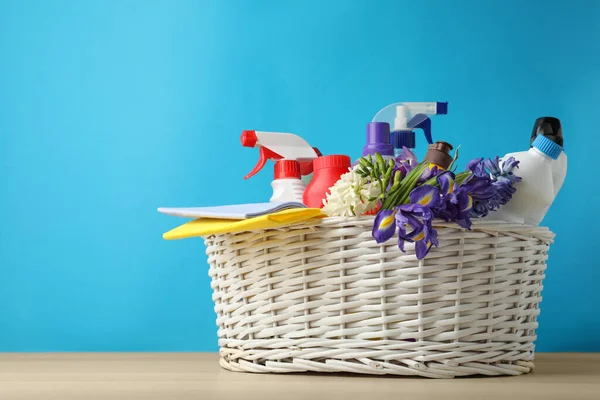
[[211, 226], [236, 211]]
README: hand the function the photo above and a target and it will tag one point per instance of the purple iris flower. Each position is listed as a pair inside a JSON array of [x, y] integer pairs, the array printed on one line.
[[456, 200], [489, 186], [405, 162], [413, 222], [425, 195], [430, 172], [407, 157], [414, 226], [384, 225]]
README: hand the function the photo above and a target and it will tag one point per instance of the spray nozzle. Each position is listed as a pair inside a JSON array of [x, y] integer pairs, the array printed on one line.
[[279, 146], [408, 116]]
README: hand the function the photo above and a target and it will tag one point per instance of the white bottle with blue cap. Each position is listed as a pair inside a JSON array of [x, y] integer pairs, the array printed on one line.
[[536, 191]]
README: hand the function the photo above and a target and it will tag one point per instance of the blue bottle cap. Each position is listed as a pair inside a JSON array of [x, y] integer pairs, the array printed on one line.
[[403, 139], [547, 147]]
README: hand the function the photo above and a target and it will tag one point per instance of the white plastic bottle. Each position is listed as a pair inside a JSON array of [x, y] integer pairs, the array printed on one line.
[[536, 191], [559, 172], [287, 185]]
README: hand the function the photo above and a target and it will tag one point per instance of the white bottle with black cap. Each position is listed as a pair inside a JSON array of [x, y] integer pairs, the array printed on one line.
[[536, 191]]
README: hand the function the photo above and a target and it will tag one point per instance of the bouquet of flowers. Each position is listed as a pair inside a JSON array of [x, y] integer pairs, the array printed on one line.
[[408, 195]]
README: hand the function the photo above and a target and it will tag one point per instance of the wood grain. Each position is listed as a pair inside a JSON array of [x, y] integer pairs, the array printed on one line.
[[198, 376]]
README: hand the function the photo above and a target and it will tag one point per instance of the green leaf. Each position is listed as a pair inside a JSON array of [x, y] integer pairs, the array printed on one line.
[[398, 194], [454, 159], [411, 182], [461, 177]]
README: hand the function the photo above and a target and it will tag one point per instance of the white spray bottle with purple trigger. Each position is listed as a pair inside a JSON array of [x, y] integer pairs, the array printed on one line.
[[405, 117]]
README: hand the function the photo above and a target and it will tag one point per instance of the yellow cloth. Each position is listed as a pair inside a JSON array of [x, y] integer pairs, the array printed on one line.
[[210, 226]]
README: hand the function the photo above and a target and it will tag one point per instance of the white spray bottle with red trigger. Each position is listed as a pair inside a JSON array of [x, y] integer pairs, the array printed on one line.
[[293, 158]]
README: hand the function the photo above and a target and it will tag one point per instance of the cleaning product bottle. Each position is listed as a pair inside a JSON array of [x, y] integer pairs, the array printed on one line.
[[407, 117], [306, 168], [378, 140], [535, 192], [287, 185], [328, 170], [551, 128], [293, 158]]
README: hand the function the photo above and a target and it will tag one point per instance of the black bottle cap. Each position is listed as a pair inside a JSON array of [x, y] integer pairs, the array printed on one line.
[[549, 127]]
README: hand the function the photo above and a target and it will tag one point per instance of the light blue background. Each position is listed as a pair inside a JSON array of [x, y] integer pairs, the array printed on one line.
[[109, 109]]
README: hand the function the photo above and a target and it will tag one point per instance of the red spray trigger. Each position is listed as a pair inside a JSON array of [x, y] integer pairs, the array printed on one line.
[[264, 155]]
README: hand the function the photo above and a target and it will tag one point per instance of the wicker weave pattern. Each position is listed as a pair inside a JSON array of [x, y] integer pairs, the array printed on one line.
[[325, 297]]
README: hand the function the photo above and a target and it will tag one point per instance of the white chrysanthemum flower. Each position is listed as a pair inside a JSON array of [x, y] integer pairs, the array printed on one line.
[[350, 196]]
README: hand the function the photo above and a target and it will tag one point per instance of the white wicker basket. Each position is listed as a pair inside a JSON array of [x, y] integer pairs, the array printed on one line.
[[323, 296]]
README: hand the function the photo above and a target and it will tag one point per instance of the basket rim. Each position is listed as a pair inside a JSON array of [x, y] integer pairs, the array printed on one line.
[[477, 224], [488, 226]]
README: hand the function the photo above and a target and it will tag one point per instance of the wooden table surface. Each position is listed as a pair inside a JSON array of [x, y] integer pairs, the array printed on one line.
[[198, 376]]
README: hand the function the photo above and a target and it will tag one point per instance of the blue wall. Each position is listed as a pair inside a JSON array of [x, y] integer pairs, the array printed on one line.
[[109, 109]]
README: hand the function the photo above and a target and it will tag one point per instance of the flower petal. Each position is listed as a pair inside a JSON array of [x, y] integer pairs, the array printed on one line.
[[446, 182], [476, 167], [425, 195], [407, 220], [401, 244], [493, 165], [464, 222], [416, 235], [421, 249], [416, 209], [467, 205], [509, 164], [479, 187], [479, 209], [429, 173], [431, 235], [464, 202], [384, 226]]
